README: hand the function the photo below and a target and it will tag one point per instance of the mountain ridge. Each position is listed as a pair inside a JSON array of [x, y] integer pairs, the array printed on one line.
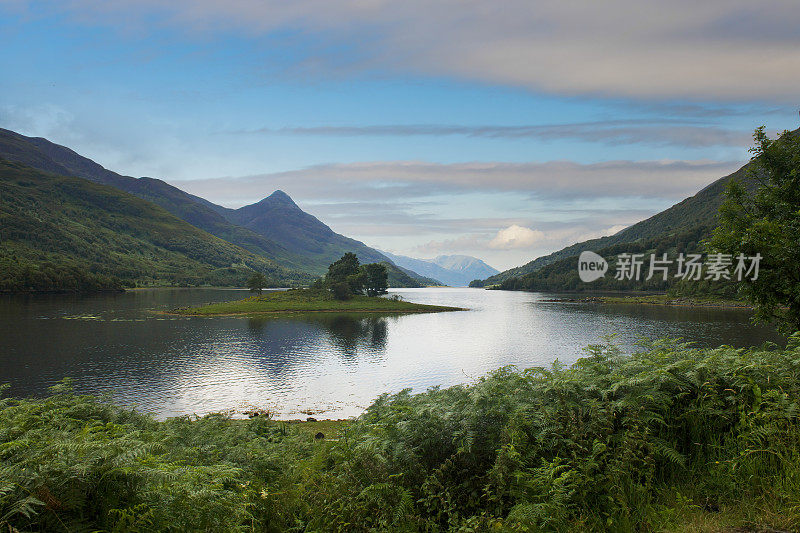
[[291, 237], [62, 233]]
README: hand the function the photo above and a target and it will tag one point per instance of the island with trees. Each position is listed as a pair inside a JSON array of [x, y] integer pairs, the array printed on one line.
[[347, 287]]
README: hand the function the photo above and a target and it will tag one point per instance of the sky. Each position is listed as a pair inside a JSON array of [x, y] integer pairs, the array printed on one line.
[[503, 130]]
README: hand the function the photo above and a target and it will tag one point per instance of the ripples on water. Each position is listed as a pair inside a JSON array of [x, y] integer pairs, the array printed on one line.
[[327, 365]]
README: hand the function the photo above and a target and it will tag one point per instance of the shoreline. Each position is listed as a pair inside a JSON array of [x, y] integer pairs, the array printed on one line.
[[659, 300], [307, 301], [286, 312]]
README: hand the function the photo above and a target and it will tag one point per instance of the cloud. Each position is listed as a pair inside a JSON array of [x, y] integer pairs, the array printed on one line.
[[665, 49], [516, 237], [614, 132], [404, 180]]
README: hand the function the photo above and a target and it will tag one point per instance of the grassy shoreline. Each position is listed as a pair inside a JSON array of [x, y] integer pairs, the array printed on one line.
[[660, 299], [677, 301], [308, 301]]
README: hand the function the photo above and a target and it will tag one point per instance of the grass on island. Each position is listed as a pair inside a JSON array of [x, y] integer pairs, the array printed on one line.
[[310, 301]]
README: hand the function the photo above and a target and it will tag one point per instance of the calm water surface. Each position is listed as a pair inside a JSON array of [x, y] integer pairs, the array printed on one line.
[[327, 364]]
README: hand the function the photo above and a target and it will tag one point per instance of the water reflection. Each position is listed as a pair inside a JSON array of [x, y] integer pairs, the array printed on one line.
[[333, 364], [346, 331]]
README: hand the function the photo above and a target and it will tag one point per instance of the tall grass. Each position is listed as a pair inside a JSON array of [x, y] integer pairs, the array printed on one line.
[[614, 442]]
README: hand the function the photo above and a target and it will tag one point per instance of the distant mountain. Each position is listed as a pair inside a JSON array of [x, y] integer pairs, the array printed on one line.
[[275, 228], [681, 227], [452, 270], [402, 277], [62, 233]]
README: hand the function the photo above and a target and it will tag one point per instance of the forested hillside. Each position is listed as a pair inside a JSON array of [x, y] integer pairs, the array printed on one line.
[[61, 233]]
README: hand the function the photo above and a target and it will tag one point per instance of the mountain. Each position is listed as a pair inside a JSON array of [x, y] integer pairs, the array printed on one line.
[[693, 218], [42, 154], [469, 268], [280, 220], [65, 233], [452, 270], [275, 228]]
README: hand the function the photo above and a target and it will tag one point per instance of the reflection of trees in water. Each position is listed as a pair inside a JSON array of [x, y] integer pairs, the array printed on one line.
[[346, 331]]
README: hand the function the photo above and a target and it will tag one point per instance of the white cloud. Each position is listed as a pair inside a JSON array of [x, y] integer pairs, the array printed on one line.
[[516, 236], [668, 49]]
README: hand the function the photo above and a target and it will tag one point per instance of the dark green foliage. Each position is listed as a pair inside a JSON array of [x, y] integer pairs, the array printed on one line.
[[768, 223], [257, 282], [343, 268], [68, 234], [341, 291], [345, 273], [612, 443], [376, 279], [346, 277]]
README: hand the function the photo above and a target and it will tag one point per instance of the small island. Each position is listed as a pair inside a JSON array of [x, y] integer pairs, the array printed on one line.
[[348, 287], [309, 301]]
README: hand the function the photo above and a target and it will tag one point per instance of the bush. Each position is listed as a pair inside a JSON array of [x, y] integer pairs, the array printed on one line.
[[341, 291]]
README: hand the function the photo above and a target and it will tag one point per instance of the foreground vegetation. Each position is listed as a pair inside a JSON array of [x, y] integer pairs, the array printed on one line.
[[310, 301], [672, 438]]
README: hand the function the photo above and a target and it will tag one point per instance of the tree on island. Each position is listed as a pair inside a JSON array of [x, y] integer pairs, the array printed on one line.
[[767, 223], [347, 277], [377, 279], [257, 282]]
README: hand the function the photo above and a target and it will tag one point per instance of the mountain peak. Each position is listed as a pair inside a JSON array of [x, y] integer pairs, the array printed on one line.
[[278, 198]]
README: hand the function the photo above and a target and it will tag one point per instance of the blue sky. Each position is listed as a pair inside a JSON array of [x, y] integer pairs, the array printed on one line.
[[500, 130]]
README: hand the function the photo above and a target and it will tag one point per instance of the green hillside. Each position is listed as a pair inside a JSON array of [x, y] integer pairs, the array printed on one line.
[[44, 155], [692, 218], [562, 275], [62, 233], [275, 227]]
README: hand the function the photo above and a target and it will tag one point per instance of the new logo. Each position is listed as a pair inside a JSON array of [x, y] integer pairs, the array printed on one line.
[[591, 266]]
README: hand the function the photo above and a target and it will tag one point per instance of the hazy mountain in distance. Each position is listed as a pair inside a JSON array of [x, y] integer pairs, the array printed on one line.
[[452, 270]]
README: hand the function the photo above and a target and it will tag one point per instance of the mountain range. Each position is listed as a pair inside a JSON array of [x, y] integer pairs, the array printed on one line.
[[453, 270], [293, 246]]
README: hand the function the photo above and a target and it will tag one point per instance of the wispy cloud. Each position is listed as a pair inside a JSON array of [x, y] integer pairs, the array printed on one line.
[[402, 180], [637, 131], [666, 49]]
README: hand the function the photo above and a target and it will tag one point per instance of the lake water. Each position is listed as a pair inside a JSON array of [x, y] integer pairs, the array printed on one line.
[[328, 365]]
